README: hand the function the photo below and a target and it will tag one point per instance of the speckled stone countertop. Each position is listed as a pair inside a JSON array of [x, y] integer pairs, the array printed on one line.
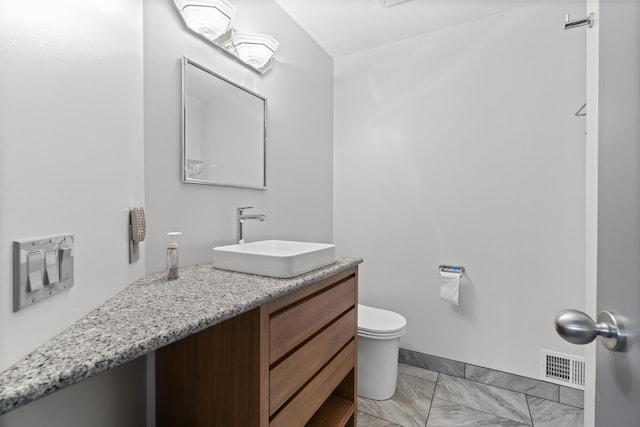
[[143, 317]]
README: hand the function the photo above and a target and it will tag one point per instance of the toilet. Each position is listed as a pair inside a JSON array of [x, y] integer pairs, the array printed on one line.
[[379, 333]]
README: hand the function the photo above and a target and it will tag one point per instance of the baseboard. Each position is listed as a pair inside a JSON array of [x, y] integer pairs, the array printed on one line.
[[505, 380]]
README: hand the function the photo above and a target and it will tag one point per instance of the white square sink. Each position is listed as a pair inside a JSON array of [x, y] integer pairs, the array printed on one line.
[[274, 258]]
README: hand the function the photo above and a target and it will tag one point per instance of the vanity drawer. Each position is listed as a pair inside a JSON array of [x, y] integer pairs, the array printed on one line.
[[291, 326], [290, 374], [305, 404]]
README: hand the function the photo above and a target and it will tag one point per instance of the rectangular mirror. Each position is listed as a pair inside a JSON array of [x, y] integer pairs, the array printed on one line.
[[224, 131]]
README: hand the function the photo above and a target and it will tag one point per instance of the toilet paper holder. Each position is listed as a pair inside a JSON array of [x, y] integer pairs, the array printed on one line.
[[451, 269]]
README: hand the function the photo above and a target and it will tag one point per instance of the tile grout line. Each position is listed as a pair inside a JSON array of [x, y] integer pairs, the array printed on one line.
[[568, 404], [426, 422], [464, 376], [510, 389], [464, 406], [516, 391], [436, 383], [529, 409], [484, 411], [380, 418], [418, 377], [526, 395], [520, 392]]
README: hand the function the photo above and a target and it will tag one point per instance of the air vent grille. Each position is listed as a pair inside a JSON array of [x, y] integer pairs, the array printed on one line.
[[564, 369]]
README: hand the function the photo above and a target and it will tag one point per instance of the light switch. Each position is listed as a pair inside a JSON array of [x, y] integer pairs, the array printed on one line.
[[42, 267], [66, 263], [51, 265], [34, 269]]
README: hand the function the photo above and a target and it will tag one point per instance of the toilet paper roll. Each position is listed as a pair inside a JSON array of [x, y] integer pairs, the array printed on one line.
[[450, 286]]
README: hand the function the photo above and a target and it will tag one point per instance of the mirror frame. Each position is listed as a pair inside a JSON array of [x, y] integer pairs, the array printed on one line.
[[185, 63]]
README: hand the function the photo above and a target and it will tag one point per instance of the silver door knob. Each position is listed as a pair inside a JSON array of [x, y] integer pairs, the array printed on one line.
[[578, 328]]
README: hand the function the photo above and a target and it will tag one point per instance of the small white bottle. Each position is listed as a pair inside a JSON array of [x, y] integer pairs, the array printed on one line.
[[172, 256]]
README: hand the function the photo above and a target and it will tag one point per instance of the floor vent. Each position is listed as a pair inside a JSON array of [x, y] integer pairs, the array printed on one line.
[[564, 369]]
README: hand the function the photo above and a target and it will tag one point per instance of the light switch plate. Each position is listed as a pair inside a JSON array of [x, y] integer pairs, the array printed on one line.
[[52, 274]]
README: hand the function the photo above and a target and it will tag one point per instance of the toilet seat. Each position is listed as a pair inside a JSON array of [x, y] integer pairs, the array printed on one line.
[[380, 324]]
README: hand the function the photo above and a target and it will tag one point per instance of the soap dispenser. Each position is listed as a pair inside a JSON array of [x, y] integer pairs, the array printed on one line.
[[172, 256]]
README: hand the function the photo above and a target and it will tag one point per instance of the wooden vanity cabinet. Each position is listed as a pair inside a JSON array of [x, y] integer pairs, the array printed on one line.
[[290, 362]]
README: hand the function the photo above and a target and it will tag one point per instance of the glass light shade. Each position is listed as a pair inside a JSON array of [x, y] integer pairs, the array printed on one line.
[[253, 49], [209, 18]]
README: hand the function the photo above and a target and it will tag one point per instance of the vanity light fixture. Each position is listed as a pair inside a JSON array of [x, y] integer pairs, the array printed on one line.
[[255, 50], [209, 18], [212, 20]]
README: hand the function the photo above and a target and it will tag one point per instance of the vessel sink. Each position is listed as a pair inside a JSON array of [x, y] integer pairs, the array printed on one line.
[[274, 258]]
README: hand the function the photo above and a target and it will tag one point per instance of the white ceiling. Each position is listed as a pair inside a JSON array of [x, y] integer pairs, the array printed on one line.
[[343, 27]]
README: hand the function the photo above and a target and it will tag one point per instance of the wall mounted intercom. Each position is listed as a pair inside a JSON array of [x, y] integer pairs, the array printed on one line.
[[137, 232]]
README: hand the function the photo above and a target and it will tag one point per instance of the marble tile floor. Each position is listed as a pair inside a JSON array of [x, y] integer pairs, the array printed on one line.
[[426, 398]]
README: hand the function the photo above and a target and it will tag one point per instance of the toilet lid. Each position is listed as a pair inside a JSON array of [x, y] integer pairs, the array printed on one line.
[[379, 321]]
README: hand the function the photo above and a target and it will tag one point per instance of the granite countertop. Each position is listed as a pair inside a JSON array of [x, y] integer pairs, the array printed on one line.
[[147, 315]]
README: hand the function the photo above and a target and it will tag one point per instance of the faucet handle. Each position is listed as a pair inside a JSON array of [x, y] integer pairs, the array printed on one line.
[[240, 210]]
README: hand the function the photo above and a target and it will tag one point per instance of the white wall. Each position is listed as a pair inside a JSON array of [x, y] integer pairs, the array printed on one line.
[[461, 147], [298, 201], [299, 88], [71, 161], [72, 157], [71, 151], [113, 398]]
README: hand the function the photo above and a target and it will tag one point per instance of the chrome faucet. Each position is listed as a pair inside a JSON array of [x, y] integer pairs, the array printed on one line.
[[241, 218]]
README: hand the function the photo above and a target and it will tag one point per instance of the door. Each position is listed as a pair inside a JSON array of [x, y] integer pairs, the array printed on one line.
[[612, 395], [617, 388]]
